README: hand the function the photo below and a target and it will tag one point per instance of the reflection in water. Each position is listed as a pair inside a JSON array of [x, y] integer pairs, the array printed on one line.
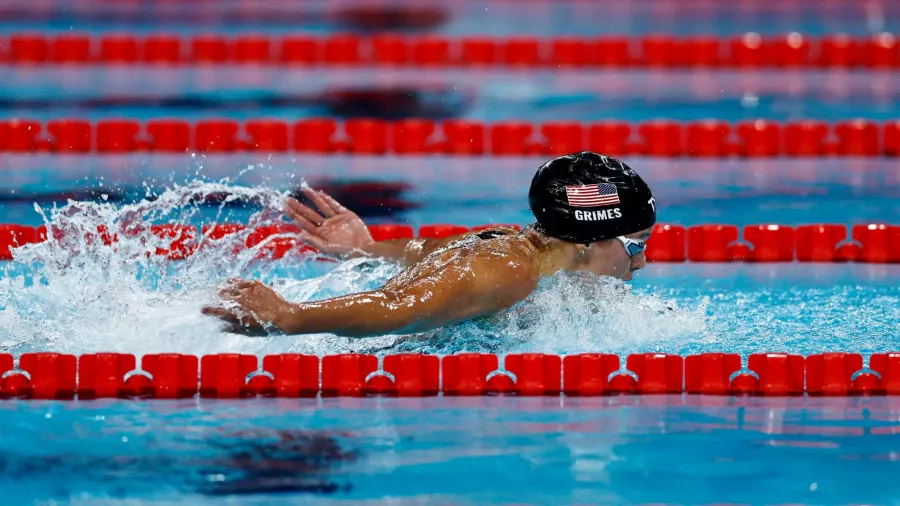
[[255, 461]]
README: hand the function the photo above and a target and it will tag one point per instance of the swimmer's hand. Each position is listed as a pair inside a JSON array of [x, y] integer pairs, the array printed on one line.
[[337, 231], [250, 307]]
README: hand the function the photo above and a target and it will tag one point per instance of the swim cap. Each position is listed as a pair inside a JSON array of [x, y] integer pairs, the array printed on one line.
[[587, 197]]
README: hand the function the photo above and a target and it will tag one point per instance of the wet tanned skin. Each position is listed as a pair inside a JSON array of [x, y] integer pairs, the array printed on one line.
[[446, 280]]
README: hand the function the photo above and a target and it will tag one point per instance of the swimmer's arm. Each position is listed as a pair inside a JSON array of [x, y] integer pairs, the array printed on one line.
[[339, 231], [460, 294]]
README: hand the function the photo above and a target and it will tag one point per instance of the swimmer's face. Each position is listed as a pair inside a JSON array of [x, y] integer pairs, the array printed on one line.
[[609, 258]]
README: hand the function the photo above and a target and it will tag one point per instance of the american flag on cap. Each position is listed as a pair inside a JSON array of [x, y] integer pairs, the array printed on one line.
[[592, 195]]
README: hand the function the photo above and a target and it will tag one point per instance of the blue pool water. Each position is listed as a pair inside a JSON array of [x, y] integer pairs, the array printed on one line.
[[454, 18], [80, 298], [492, 95], [467, 191], [621, 450]]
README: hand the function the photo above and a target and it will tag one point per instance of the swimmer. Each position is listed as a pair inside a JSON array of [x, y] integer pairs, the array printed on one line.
[[593, 214]]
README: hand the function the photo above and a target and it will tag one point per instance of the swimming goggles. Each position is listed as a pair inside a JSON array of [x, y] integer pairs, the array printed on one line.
[[633, 246]]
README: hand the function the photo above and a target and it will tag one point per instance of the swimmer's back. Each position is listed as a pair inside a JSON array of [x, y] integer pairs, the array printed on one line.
[[493, 233], [500, 241]]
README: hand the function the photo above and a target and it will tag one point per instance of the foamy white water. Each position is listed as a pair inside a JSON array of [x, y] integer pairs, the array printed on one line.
[[73, 293]]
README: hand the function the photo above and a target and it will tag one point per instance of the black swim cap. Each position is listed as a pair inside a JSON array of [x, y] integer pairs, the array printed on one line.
[[586, 197]]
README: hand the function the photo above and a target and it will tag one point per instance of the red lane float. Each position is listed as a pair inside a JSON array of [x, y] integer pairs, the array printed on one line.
[[710, 373], [760, 139], [467, 373], [657, 373], [315, 136], [887, 365], [40, 376], [779, 374], [667, 244], [171, 376], [13, 236], [50, 375], [807, 138], [441, 231], [418, 137], [348, 375], [588, 374], [611, 138], [750, 50], [210, 234], [710, 243], [770, 243], [388, 232], [118, 136], [293, 375], [269, 136], [413, 137], [413, 375], [164, 376], [535, 373], [892, 138], [709, 139], [880, 243], [216, 136], [872, 243], [224, 376], [661, 138], [832, 373], [276, 241], [103, 374], [366, 136], [819, 243], [564, 138], [169, 136]]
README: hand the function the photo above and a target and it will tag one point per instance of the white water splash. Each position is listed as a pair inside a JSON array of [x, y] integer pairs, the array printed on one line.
[[73, 293], [579, 313]]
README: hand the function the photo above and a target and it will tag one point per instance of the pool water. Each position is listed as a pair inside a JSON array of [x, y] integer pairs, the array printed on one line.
[[78, 296], [617, 450], [462, 190], [491, 95], [449, 18]]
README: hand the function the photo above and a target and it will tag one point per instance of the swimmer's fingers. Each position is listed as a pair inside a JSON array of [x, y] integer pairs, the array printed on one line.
[[235, 324], [232, 288], [228, 292], [235, 328], [298, 208], [221, 313], [307, 218], [324, 247], [334, 204], [315, 241], [317, 199]]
